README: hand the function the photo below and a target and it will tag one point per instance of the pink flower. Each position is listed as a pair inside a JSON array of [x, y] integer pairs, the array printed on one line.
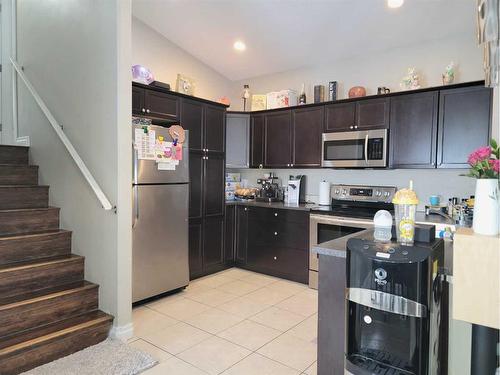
[[479, 155], [495, 165]]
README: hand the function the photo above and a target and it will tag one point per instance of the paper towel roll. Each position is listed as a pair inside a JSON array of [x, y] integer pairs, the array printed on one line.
[[324, 193]]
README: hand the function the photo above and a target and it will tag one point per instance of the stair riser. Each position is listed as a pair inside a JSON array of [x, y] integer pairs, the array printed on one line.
[[18, 175], [13, 155], [18, 249], [16, 222], [38, 313], [24, 197], [21, 281], [50, 351]]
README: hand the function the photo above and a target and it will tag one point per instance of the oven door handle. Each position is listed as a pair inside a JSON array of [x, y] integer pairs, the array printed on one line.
[[366, 148]]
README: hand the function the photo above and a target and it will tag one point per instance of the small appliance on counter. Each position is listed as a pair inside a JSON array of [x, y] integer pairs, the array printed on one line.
[[395, 311], [296, 189], [270, 190], [232, 183]]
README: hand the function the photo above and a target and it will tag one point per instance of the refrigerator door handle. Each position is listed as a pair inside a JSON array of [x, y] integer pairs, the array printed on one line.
[[135, 162], [135, 192]]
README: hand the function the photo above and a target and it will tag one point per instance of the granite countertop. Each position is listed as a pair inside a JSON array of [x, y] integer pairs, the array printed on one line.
[[280, 205]]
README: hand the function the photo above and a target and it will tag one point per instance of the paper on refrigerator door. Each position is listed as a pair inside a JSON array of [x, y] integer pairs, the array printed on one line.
[[145, 144]]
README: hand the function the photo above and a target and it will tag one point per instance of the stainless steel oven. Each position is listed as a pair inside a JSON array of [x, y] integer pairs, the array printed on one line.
[[323, 228], [357, 149]]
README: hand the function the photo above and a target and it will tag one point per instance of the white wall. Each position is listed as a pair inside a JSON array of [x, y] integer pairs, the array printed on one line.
[[165, 59], [77, 56], [380, 69]]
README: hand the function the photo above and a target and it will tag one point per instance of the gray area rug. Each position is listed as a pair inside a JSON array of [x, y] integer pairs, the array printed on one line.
[[110, 357]]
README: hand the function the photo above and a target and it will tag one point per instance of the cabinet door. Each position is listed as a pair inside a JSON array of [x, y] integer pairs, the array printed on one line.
[[278, 151], [161, 105], [257, 124], [195, 248], [192, 120], [414, 130], [196, 170], [372, 114], [237, 140], [213, 242], [138, 106], [214, 129], [213, 185], [340, 117], [241, 234], [307, 126], [464, 124], [229, 233]]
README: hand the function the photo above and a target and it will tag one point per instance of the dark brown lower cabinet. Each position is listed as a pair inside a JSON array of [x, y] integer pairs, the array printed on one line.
[[195, 247], [274, 242], [229, 234], [213, 243]]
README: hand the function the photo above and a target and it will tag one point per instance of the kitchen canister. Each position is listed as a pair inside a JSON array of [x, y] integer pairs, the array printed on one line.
[[324, 193]]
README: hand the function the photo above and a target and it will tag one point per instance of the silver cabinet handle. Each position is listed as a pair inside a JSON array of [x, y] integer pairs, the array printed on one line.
[[291, 165], [351, 127], [135, 192], [355, 126], [147, 111], [260, 166], [366, 149], [275, 214], [275, 233], [275, 258], [143, 110], [246, 209]]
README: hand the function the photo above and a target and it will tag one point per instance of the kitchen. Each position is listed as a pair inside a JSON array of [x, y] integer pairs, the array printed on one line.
[[359, 148]]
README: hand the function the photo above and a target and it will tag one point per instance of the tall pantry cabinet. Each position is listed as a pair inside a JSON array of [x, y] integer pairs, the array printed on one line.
[[206, 124]]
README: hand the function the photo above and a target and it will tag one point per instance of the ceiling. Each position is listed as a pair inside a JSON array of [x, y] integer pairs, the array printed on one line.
[[288, 34]]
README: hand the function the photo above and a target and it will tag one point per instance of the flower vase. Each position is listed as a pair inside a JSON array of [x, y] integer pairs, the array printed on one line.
[[486, 207]]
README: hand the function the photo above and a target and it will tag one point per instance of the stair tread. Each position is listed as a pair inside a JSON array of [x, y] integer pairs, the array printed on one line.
[[22, 299], [39, 262], [30, 338], [18, 165], [23, 186], [29, 209], [33, 234]]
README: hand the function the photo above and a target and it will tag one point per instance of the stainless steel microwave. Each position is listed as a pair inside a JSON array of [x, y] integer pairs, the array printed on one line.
[[358, 149]]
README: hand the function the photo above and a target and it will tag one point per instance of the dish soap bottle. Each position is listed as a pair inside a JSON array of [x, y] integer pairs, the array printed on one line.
[[302, 97]]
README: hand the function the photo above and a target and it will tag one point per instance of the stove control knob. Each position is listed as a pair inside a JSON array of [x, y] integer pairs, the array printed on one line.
[[386, 194], [344, 191], [337, 191], [380, 274], [378, 193]]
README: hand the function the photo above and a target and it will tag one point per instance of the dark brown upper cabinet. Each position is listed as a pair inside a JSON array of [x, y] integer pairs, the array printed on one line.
[[413, 130], [161, 105], [215, 125], [192, 120], [278, 142], [138, 105], [372, 114], [307, 126], [340, 117], [357, 115], [464, 124], [257, 125]]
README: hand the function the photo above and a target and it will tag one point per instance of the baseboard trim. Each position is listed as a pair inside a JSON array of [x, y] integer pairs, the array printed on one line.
[[23, 141], [122, 333]]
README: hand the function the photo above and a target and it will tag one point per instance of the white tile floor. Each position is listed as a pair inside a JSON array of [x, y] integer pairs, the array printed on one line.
[[235, 322]]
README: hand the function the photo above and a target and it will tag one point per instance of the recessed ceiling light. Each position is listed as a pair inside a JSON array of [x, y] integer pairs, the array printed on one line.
[[395, 3], [239, 46]]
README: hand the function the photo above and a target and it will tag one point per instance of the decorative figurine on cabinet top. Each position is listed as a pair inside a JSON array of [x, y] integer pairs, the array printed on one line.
[[449, 74], [411, 81], [357, 91], [185, 85]]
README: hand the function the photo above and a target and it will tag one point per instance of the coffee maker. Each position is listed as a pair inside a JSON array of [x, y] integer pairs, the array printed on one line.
[[270, 189], [395, 312]]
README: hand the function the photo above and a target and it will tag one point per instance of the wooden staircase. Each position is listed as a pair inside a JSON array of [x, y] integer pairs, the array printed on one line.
[[47, 309]]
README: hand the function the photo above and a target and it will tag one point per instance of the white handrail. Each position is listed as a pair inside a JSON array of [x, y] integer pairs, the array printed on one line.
[[57, 128]]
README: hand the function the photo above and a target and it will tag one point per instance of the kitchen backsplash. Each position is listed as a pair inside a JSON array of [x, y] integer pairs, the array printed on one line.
[[445, 182]]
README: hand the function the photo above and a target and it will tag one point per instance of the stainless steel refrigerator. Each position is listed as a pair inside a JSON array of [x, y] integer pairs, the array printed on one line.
[[160, 224]]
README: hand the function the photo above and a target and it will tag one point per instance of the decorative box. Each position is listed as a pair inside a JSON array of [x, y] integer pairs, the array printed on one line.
[[281, 99]]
